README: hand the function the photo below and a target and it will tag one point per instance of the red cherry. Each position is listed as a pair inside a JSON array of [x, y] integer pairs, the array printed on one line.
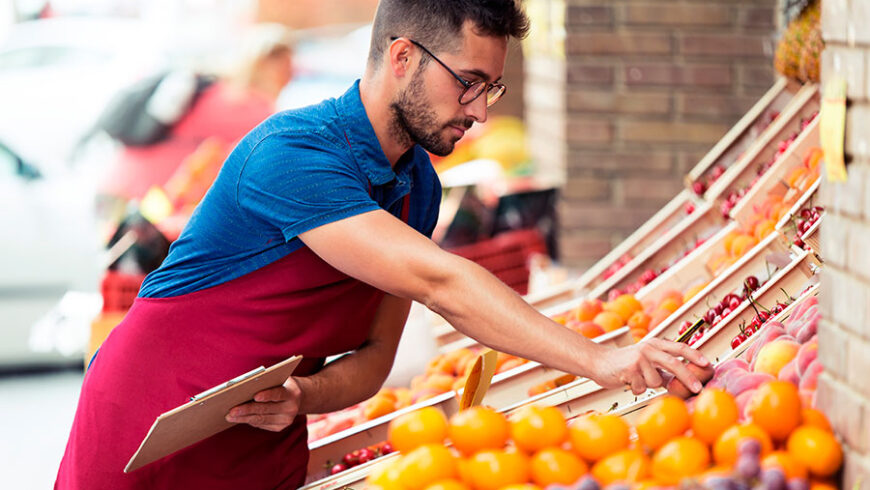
[[736, 341], [337, 468], [366, 455]]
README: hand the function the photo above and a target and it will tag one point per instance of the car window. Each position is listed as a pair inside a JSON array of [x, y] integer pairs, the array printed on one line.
[[8, 164], [43, 56]]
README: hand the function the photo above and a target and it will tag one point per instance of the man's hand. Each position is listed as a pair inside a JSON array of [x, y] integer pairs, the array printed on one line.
[[273, 409], [638, 366]]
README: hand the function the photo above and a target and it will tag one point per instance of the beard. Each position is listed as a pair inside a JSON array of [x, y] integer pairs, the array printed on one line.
[[414, 122]]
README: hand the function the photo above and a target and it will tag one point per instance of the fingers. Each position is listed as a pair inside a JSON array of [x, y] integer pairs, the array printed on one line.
[[277, 394], [638, 387], [682, 350], [651, 375], [666, 361], [274, 416]]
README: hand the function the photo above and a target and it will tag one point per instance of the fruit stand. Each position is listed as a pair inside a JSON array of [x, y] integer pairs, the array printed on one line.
[[728, 266]]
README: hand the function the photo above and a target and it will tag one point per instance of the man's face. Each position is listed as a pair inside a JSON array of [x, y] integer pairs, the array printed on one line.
[[427, 110]]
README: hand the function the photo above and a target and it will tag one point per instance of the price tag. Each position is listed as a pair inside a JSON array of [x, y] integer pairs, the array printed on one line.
[[832, 127]]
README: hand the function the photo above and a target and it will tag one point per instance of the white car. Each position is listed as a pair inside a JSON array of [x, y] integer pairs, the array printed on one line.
[[56, 76]]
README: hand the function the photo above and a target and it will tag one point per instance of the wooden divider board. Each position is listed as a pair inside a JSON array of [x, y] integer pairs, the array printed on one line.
[[774, 177], [738, 175], [741, 135]]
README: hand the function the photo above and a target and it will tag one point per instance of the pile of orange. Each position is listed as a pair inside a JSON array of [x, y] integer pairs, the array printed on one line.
[[535, 447], [594, 317]]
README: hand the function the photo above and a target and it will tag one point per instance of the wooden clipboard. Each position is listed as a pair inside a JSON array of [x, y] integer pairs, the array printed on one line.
[[205, 414]]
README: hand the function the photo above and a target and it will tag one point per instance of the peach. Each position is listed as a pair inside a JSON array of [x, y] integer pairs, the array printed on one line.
[[789, 372], [810, 377], [742, 401], [772, 357], [748, 381], [730, 364], [806, 354], [805, 333], [588, 309], [729, 375], [769, 332]]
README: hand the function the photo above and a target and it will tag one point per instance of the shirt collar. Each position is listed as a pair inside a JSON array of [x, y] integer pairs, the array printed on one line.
[[364, 144]]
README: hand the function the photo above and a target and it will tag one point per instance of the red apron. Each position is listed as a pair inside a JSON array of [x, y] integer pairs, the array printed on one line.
[[168, 349]]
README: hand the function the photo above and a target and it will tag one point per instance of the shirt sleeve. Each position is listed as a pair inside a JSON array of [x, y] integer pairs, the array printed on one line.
[[298, 185]]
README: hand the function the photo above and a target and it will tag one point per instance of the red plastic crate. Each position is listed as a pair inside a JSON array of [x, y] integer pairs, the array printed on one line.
[[506, 256], [119, 290]]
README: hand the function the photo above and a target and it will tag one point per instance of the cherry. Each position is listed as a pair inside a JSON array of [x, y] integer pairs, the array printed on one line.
[[734, 302], [736, 341], [699, 188], [351, 458], [799, 242], [750, 329], [709, 316], [726, 312], [690, 207], [685, 326], [337, 468], [366, 455]]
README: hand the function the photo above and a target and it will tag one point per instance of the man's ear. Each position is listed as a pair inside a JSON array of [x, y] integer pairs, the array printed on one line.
[[399, 57]]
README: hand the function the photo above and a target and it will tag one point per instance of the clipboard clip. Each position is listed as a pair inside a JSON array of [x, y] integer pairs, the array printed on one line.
[[229, 383]]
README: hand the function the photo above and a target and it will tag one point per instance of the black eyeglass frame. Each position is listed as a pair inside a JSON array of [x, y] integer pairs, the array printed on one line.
[[467, 86]]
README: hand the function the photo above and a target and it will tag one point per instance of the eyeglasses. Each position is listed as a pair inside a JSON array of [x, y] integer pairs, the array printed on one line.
[[471, 90]]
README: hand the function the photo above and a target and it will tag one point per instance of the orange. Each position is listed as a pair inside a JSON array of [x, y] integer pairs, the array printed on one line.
[[742, 244], [817, 449], [588, 309], [411, 430], [595, 436], [378, 406], [478, 428], [791, 467], [637, 334], [624, 306], [764, 228], [627, 465], [680, 458], [795, 176], [534, 428], [776, 407], [426, 465], [670, 304], [385, 477], [639, 320], [521, 486], [725, 449], [609, 321], [728, 242], [555, 465], [827, 484], [663, 419], [448, 484], [588, 329], [463, 470], [714, 411], [816, 418], [492, 469]]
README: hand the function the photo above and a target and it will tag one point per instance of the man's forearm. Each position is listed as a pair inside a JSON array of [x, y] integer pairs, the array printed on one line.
[[482, 307]]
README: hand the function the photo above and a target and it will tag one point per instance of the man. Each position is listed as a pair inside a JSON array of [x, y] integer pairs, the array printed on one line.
[[313, 241]]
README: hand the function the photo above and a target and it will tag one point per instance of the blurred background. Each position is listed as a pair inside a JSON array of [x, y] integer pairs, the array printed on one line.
[[113, 124]]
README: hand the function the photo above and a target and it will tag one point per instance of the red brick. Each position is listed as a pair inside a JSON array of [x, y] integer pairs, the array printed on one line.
[[718, 106], [671, 132], [859, 15], [659, 13], [626, 103], [834, 236], [585, 73], [583, 245], [833, 346], [844, 408], [610, 163], [859, 365], [858, 253], [857, 137], [687, 161], [746, 45], [850, 300], [756, 17], [648, 190], [589, 131], [602, 216], [593, 16], [848, 197], [757, 75], [584, 188], [848, 63], [677, 74], [835, 19], [602, 43]]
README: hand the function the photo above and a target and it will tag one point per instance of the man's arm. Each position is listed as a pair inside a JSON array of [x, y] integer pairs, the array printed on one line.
[[380, 250], [342, 383]]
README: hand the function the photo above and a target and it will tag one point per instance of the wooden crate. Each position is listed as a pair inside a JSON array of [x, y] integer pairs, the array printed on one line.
[[667, 251], [740, 174], [747, 129], [731, 280], [772, 180]]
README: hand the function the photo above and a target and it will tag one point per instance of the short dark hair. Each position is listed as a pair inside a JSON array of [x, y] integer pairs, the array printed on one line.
[[437, 24]]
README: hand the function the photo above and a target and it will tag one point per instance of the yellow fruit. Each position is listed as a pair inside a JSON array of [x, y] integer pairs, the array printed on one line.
[[661, 421], [596, 436], [411, 430], [534, 428]]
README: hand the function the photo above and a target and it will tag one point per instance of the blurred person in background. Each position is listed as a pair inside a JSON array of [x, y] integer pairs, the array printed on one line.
[[241, 97], [313, 241]]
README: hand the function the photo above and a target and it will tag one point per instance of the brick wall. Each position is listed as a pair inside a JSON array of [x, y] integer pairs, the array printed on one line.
[[649, 87], [844, 340]]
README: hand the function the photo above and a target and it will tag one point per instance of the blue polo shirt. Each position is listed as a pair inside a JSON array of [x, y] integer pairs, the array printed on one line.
[[294, 172]]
